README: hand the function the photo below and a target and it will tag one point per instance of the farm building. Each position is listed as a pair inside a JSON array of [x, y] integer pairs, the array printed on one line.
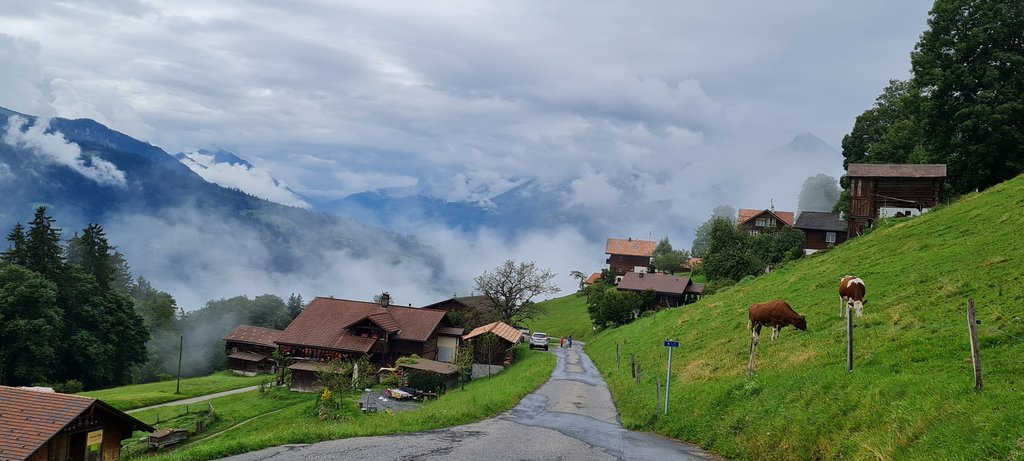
[[887, 190], [330, 328], [671, 291], [304, 375], [448, 372], [41, 425], [250, 349], [466, 311], [492, 345], [759, 221], [624, 255], [821, 230]]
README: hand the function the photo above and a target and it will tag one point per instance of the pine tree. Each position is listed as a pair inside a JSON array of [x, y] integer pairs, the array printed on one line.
[[43, 250], [92, 252], [18, 251]]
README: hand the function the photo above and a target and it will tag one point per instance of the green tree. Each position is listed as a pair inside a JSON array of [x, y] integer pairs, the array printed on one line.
[[969, 68], [92, 252], [700, 241], [669, 262], [157, 308], [43, 250], [18, 251], [819, 193], [730, 255], [511, 287], [662, 247], [607, 306], [295, 305], [30, 326]]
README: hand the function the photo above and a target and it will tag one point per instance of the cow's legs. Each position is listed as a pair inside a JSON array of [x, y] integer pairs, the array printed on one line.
[[775, 332]]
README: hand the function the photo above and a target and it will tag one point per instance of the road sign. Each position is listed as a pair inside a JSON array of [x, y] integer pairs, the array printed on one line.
[[671, 343]]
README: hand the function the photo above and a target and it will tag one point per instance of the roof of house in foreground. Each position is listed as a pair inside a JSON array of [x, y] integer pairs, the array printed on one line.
[[746, 214], [660, 283], [324, 324], [896, 170]]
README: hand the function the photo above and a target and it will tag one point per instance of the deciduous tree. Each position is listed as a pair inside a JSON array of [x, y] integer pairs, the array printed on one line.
[[511, 287]]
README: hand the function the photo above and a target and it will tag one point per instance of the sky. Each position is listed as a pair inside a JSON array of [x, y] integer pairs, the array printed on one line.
[[667, 104]]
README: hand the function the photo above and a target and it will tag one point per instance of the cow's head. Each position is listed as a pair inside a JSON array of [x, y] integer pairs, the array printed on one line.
[[800, 323]]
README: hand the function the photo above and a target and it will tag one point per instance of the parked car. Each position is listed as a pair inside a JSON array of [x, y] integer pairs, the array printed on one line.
[[539, 340], [526, 334]]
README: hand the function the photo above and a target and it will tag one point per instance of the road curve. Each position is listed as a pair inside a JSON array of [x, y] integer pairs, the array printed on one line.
[[571, 417]]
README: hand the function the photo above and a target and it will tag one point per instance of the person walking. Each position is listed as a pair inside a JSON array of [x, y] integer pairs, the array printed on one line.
[[561, 341], [570, 340]]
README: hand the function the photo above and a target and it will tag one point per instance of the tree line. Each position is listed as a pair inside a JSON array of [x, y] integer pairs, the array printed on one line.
[[72, 316]]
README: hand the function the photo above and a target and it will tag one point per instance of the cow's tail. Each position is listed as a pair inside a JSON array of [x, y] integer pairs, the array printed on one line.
[[750, 325]]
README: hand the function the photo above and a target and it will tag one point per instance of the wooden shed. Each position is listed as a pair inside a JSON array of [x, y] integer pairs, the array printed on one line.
[[39, 426], [887, 190]]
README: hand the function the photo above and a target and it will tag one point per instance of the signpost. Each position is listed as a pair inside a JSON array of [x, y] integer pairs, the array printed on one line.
[[668, 376]]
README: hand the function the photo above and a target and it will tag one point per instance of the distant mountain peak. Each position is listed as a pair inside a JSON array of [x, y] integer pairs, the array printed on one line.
[[808, 142], [229, 170]]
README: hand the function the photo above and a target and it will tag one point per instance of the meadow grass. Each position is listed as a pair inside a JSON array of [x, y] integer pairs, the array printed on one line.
[[143, 395], [911, 394], [291, 417], [564, 316]]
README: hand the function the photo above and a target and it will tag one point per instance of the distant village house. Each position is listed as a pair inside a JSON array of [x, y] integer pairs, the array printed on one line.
[[821, 230], [671, 291], [626, 255], [757, 222]]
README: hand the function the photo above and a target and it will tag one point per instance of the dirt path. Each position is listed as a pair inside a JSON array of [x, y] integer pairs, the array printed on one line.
[[201, 398]]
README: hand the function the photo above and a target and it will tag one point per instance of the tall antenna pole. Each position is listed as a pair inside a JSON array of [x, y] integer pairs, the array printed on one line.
[[181, 345]]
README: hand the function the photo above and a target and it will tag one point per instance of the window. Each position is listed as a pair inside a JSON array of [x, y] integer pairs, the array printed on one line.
[[830, 237], [770, 222], [58, 450], [760, 222]]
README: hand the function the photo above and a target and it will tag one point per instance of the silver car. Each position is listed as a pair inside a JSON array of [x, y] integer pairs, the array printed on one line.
[[539, 340]]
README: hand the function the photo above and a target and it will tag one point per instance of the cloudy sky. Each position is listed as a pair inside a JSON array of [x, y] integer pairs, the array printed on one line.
[[663, 102]]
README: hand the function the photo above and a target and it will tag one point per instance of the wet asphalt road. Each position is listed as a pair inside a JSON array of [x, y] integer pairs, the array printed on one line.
[[571, 417]]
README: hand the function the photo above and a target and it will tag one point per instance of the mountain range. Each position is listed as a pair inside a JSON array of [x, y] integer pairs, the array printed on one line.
[[193, 238]]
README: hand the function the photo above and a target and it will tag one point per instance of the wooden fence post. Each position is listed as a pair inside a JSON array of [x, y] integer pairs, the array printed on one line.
[[849, 337], [616, 356], [632, 364], [657, 401], [972, 327]]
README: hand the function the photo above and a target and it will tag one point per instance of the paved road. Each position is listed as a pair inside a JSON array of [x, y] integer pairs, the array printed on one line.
[[571, 417], [201, 398]]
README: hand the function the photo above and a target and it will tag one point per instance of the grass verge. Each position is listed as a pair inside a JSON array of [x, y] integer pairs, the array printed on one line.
[[297, 423], [126, 398]]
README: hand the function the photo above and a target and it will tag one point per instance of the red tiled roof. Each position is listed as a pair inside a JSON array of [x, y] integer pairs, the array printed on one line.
[[630, 247], [896, 170], [669, 284], [746, 214], [28, 419], [502, 329], [324, 321], [593, 278], [254, 335], [385, 321]]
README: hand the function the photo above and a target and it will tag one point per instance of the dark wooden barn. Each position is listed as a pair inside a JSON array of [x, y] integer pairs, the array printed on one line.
[[39, 426], [821, 230], [250, 349], [887, 190], [671, 291], [626, 254]]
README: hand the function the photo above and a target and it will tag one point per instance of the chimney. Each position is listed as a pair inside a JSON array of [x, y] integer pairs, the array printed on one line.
[[630, 239], [641, 274], [385, 300]]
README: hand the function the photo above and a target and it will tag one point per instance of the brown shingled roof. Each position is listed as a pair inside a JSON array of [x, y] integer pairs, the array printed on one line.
[[660, 283], [630, 247], [385, 320], [502, 329], [746, 214], [896, 170], [431, 366], [254, 335], [28, 419], [248, 356], [324, 321]]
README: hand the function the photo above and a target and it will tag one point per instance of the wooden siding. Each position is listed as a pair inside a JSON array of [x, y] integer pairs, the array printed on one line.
[[111, 445], [815, 239], [304, 380], [620, 264]]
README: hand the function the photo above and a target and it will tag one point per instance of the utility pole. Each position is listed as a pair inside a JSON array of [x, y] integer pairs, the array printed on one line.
[[181, 345]]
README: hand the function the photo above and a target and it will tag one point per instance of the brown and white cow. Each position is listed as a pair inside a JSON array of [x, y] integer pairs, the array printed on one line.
[[851, 291], [776, 314]]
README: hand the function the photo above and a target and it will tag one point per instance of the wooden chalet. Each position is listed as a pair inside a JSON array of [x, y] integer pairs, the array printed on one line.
[[466, 311], [39, 426], [250, 349], [821, 230], [760, 221], [626, 254], [671, 291], [330, 328], [888, 190], [500, 352]]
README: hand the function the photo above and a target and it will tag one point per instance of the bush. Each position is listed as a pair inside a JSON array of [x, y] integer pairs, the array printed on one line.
[[426, 381], [71, 386]]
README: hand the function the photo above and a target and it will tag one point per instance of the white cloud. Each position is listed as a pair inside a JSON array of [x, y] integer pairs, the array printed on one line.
[[53, 148], [5, 171], [255, 180]]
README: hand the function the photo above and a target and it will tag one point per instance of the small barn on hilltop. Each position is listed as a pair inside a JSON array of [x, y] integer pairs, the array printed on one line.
[[888, 190], [41, 426]]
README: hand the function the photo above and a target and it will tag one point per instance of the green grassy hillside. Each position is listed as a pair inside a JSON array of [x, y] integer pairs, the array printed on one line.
[[911, 395], [564, 316]]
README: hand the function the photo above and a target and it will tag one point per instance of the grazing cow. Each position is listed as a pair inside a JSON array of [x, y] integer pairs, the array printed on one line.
[[851, 291], [776, 314]]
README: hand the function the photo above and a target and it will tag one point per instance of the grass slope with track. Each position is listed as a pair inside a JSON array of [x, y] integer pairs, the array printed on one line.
[[911, 394]]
